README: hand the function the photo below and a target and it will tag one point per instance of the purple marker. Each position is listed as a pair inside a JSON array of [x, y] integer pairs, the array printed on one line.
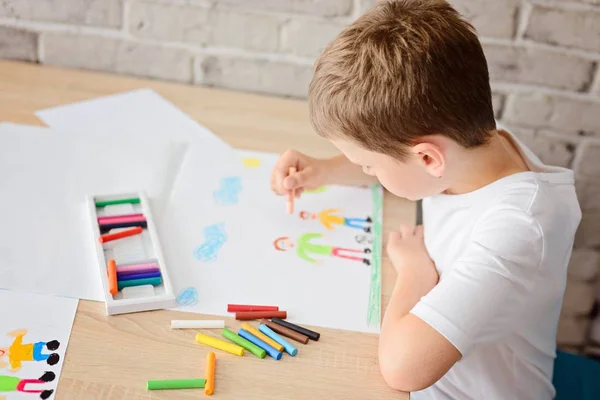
[[122, 274], [139, 276]]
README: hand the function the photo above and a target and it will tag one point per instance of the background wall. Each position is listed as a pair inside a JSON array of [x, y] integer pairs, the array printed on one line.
[[543, 57]]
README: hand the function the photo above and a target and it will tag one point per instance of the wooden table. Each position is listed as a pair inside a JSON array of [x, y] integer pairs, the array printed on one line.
[[113, 357]]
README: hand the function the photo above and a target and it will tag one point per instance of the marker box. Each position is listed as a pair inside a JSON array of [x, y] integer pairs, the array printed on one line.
[[136, 253]]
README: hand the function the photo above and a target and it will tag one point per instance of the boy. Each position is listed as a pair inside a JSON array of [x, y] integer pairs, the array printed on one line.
[[404, 93]]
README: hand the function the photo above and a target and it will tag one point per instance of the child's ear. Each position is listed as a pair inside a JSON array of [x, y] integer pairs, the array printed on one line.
[[431, 157]]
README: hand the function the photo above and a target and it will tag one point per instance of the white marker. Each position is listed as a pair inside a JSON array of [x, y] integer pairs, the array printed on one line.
[[198, 324]]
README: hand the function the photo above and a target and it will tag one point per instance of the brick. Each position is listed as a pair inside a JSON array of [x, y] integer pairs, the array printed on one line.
[[530, 66], [18, 44], [498, 103], [306, 37], [572, 331], [588, 161], [254, 75], [565, 27], [588, 193], [588, 234], [490, 17], [550, 148], [245, 30], [555, 112], [584, 265], [117, 55], [325, 8], [170, 22], [579, 298], [105, 13]]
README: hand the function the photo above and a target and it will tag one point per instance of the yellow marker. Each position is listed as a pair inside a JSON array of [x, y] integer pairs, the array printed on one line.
[[219, 344], [249, 328]]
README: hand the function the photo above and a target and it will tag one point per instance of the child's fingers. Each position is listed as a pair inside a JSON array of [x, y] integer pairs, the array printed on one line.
[[407, 230]]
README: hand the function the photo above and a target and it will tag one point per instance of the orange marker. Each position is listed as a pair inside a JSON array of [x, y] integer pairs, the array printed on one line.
[[120, 235], [291, 194], [211, 360], [113, 287]]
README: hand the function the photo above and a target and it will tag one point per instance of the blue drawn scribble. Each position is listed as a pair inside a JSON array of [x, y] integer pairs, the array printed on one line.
[[188, 297], [214, 238], [229, 190]]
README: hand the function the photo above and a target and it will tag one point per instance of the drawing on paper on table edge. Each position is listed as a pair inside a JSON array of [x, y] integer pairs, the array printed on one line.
[[229, 190], [304, 247], [320, 189], [19, 352], [214, 239], [17, 384]]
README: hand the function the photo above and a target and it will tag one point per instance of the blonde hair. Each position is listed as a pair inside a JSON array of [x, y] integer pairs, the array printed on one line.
[[405, 69]]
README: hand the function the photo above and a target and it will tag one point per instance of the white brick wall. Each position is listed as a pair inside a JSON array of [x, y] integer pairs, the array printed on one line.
[[543, 57]]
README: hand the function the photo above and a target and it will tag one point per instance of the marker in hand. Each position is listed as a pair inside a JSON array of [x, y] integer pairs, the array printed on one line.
[[291, 195]]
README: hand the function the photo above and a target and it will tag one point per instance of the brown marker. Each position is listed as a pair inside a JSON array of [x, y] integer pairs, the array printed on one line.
[[282, 330], [250, 315]]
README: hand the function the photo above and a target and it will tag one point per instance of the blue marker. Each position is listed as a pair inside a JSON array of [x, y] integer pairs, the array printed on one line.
[[269, 349], [291, 350]]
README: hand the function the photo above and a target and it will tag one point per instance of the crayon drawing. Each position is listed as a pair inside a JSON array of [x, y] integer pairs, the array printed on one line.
[[188, 297], [251, 162], [31, 359], [331, 217], [320, 189], [36, 386], [306, 248], [214, 238], [19, 352], [364, 239], [229, 190]]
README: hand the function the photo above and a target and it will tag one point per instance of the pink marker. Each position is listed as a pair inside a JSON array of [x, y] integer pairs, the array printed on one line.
[[136, 267], [121, 220]]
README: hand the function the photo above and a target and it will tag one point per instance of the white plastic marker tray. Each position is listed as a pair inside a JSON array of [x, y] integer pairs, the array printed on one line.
[[131, 250]]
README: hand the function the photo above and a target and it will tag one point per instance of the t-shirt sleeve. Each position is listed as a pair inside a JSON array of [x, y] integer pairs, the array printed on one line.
[[482, 296]]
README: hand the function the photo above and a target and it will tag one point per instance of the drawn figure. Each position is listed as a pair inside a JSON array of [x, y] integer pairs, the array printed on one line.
[[188, 297], [214, 238], [251, 162], [329, 218], [304, 247], [228, 192], [16, 384], [19, 352]]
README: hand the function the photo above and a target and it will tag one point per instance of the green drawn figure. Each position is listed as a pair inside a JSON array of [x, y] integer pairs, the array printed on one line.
[[16, 384], [305, 248]]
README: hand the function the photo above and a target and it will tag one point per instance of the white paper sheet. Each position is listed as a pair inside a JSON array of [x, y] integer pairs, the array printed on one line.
[[230, 256], [34, 334], [45, 239], [141, 111], [222, 219]]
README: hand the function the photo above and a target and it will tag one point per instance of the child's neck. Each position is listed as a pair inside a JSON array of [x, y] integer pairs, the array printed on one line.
[[486, 164]]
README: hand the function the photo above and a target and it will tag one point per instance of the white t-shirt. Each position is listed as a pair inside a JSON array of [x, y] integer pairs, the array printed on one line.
[[502, 253]]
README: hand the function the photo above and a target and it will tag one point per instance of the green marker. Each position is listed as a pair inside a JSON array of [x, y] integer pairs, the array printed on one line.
[[240, 341], [140, 282], [176, 384], [105, 203]]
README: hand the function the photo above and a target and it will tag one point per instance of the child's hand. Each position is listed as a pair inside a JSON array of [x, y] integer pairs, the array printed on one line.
[[311, 173], [408, 254]]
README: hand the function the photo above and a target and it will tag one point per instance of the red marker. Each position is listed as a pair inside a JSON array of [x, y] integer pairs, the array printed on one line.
[[244, 307], [120, 235]]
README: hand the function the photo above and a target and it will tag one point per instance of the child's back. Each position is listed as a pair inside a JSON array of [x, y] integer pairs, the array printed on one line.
[[404, 93], [502, 253]]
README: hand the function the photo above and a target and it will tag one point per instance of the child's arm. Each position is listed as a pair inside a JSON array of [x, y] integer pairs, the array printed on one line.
[[483, 297], [404, 336], [313, 173]]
